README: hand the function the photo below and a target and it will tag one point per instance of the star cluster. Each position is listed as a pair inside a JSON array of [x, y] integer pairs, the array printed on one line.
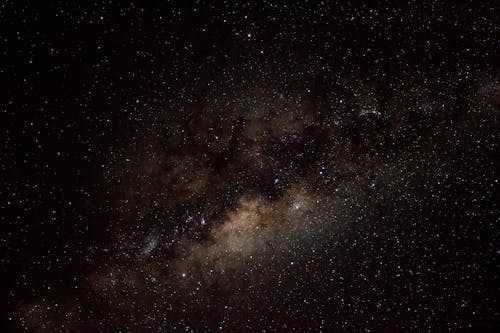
[[232, 166]]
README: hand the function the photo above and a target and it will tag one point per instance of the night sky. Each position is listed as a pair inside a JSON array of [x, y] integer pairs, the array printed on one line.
[[249, 166]]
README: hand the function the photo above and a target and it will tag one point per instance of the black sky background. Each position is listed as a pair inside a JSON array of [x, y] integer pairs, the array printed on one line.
[[87, 85]]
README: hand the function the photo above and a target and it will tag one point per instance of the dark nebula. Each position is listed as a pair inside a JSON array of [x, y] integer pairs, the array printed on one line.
[[261, 166]]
